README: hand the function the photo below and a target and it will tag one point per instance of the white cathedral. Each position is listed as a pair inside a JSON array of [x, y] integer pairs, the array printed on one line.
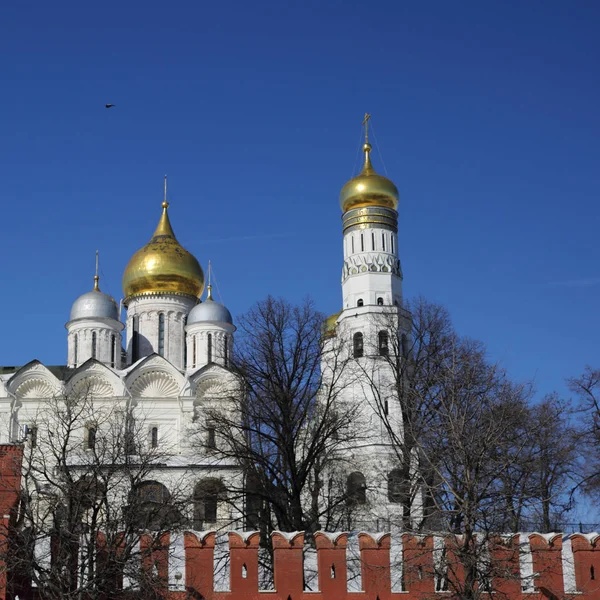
[[168, 359]]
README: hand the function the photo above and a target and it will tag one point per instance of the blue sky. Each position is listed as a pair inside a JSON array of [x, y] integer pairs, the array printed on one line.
[[485, 113]]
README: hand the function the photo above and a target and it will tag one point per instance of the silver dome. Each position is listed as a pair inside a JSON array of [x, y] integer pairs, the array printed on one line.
[[94, 305], [209, 311]]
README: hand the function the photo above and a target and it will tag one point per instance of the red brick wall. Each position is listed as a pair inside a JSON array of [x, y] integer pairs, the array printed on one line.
[[10, 483]]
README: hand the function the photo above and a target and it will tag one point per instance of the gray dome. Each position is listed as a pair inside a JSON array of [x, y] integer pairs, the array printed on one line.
[[209, 311], [94, 305]]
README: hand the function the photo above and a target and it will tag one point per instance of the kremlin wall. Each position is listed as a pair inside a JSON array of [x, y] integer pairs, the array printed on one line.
[[384, 567]]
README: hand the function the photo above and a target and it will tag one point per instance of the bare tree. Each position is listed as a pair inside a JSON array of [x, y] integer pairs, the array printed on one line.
[[586, 388], [286, 428], [555, 468], [92, 511]]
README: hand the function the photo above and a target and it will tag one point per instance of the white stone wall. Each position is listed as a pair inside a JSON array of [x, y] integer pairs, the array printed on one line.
[[147, 309], [363, 252], [108, 342], [197, 344]]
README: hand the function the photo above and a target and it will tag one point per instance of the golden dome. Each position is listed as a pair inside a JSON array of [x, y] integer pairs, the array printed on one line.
[[163, 265], [330, 325], [368, 188]]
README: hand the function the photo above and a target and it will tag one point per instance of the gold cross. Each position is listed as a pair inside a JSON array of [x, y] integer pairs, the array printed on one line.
[[366, 124]]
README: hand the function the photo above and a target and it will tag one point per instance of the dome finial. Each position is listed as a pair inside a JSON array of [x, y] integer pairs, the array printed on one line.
[[209, 286], [96, 276], [366, 124], [165, 204], [367, 167]]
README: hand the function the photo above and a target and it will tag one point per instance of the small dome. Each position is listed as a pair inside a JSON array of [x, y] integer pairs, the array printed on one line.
[[209, 311], [163, 265], [330, 325], [95, 305], [368, 188]]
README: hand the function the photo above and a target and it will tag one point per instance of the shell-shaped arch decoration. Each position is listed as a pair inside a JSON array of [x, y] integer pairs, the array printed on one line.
[[93, 386], [36, 388], [212, 388], [155, 384]]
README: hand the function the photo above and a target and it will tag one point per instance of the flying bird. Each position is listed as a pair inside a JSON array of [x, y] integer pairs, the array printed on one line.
[[109, 105]]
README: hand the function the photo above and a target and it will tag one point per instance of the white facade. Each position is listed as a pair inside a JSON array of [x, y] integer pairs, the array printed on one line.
[[177, 357], [156, 324]]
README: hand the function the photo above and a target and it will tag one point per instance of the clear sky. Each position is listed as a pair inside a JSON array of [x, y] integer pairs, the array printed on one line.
[[486, 115]]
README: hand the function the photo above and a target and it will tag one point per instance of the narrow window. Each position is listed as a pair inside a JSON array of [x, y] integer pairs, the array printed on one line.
[[154, 437], [392, 240], [209, 347], [362, 242], [32, 433], [94, 345], [383, 343], [75, 351], [386, 408], [161, 334], [211, 438], [194, 351], [226, 352], [592, 574], [357, 343], [184, 344], [135, 340], [359, 302], [332, 571], [352, 244], [373, 240], [383, 241], [244, 571], [380, 301], [91, 438], [113, 350], [356, 488], [394, 482]]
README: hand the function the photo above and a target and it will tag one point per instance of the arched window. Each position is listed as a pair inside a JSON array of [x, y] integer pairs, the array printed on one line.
[[151, 508], [392, 240], [226, 351], [211, 437], [383, 344], [209, 348], [356, 488], [383, 241], [75, 350], [395, 486], [184, 343], [357, 345], [91, 438], [362, 243], [154, 437], [94, 345], [254, 502], [207, 496], [380, 301], [161, 334], [373, 240], [194, 351], [359, 302], [113, 350], [135, 340]]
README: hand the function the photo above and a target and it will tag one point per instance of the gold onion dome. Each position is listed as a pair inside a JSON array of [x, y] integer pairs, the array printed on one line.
[[368, 188], [330, 324], [163, 265]]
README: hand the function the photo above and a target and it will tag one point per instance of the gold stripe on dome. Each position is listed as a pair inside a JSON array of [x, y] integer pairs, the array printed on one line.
[[368, 217]]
